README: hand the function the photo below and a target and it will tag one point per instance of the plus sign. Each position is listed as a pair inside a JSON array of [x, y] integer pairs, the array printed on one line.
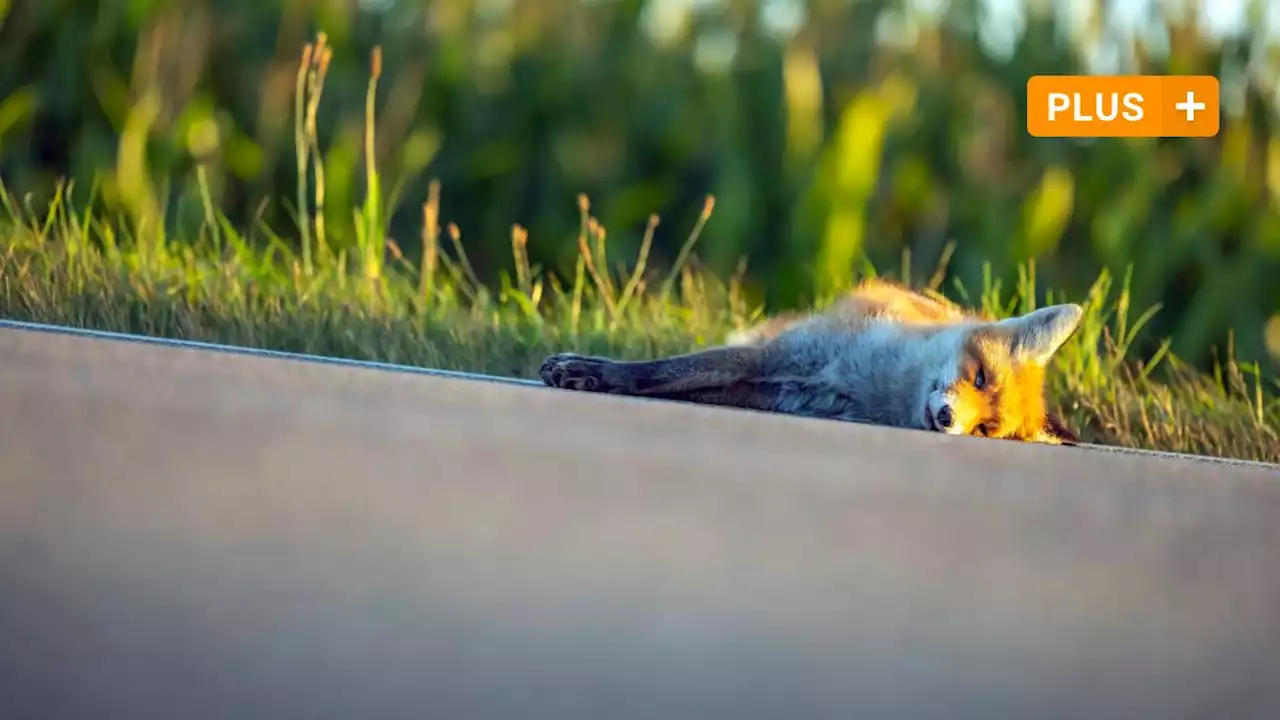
[[1190, 106]]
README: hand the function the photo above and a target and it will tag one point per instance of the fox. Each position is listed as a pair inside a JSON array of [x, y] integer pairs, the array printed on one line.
[[883, 354]]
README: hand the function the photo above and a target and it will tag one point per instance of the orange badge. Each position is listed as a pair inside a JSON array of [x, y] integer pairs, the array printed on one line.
[[1122, 106]]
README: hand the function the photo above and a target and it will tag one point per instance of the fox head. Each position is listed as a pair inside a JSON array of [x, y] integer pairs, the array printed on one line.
[[995, 386]]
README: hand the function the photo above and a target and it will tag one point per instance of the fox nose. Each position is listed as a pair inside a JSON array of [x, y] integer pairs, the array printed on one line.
[[944, 417]]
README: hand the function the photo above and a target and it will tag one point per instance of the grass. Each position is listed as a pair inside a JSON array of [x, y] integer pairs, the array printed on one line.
[[64, 264], [68, 268]]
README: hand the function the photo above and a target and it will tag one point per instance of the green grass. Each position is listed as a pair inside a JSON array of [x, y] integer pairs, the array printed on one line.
[[68, 267], [64, 264]]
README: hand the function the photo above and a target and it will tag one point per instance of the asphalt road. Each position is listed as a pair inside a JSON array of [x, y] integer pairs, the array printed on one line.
[[189, 533]]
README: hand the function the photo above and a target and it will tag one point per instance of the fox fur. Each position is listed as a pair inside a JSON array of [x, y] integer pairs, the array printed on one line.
[[883, 354]]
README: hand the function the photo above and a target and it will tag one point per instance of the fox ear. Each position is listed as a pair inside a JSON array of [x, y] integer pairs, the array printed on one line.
[[1055, 432], [1037, 335]]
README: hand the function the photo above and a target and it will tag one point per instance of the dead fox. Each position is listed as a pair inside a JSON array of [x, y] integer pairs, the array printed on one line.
[[884, 354]]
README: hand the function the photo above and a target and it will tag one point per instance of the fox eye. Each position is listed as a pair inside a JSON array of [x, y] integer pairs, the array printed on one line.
[[980, 378]]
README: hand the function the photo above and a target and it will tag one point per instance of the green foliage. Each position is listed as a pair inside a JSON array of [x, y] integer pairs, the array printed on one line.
[[828, 143], [66, 266], [828, 155]]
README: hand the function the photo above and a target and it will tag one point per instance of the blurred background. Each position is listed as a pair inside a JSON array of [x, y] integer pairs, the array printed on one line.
[[832, 133]]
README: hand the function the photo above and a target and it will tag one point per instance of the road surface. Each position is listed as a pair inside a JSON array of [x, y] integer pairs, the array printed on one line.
[[193, 533]]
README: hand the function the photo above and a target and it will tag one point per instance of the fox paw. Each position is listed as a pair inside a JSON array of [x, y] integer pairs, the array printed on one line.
[[579, 372], [575, 372]]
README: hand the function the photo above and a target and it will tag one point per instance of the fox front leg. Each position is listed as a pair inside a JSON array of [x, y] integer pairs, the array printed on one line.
[[701, 371], [580, 372]]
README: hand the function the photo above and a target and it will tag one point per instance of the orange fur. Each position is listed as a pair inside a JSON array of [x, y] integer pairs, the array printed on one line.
[[883, 354], [1009, 405]]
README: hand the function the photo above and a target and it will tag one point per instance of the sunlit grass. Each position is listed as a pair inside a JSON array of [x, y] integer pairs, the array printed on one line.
[[63, 263], [68, 267]]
